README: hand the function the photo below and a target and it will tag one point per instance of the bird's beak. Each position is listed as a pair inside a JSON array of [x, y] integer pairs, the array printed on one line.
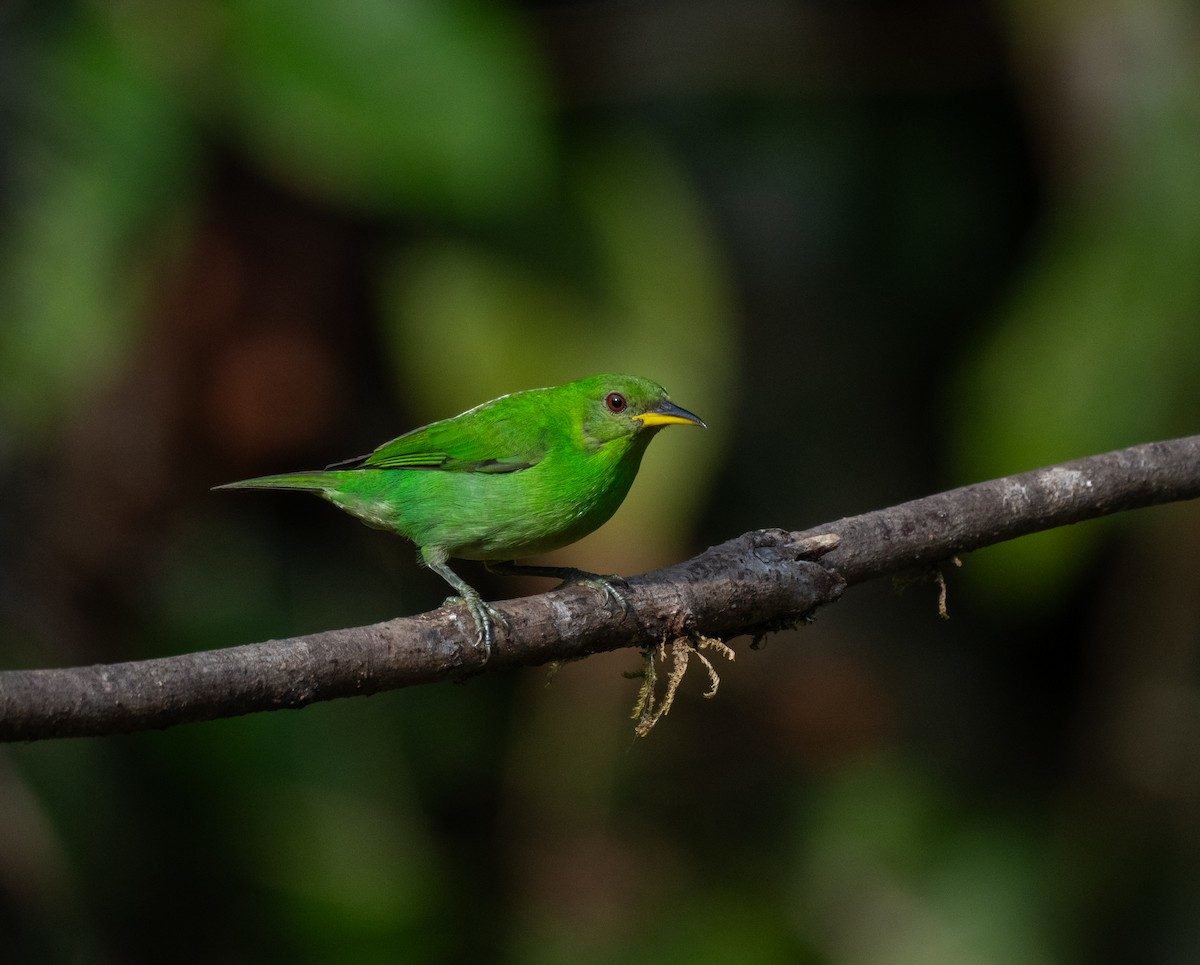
[[666, 414]]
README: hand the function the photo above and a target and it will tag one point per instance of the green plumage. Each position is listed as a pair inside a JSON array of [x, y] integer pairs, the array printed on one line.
[[517, 476]]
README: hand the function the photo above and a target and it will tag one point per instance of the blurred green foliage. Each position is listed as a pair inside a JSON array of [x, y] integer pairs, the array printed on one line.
[[1099, 339], [100, 175], [881, 251], [422, 106]]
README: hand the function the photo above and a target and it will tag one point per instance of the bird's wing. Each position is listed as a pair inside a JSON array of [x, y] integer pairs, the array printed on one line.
[[459, 445]]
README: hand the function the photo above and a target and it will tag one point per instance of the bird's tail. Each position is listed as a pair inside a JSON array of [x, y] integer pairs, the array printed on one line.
[[288, 480]]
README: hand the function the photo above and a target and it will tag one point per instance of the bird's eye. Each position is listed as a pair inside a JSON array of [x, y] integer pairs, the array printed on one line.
[[615, 402]]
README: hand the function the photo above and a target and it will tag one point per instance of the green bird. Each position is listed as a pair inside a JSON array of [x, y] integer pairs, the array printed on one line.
[[523, 474]]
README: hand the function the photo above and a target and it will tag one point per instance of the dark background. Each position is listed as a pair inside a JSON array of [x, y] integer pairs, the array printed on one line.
[[883, 249]]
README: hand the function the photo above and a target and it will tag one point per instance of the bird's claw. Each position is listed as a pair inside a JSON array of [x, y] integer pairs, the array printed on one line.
[[612, 586], [485, 619]]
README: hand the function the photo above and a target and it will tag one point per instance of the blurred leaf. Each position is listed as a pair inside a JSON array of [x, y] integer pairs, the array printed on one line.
[[701, 928], [896, 872], [349, 874], [101, 174], [397, 103]]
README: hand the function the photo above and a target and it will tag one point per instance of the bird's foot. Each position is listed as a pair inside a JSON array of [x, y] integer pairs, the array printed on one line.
[[613, 587], [485, 619]]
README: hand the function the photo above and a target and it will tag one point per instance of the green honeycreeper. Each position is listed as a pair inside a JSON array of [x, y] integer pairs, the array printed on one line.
[[523, 474]]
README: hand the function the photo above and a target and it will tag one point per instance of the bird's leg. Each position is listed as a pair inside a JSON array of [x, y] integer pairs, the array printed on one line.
[[612, 586], [468, 596]]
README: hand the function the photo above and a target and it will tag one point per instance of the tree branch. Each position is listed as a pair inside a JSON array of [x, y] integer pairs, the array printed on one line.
[[761, 581]]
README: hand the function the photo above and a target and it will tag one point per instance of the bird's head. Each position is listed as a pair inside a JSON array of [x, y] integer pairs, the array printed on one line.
[[627, 407]]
